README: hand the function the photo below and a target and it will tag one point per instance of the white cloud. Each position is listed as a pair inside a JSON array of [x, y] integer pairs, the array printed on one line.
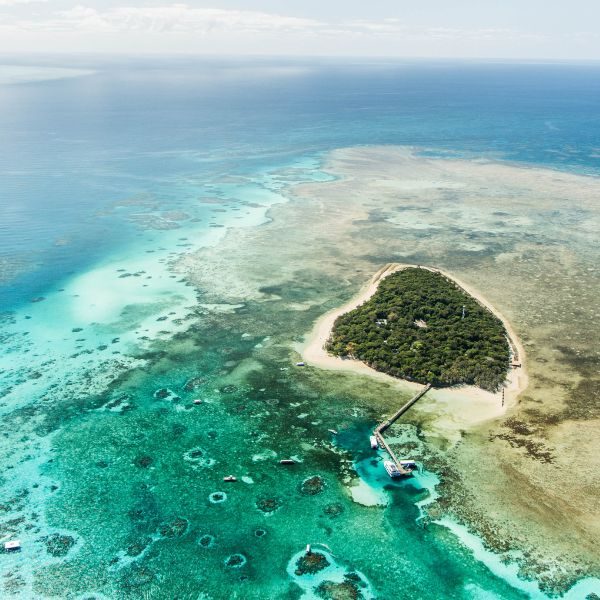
[[168, 18], [17, 2], [395, 27], [203, 21], [180, 27]]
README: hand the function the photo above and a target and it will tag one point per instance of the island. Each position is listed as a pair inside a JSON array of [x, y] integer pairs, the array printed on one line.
[[422, 326]]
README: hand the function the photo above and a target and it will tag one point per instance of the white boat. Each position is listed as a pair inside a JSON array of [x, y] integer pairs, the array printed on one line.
[[391, 469], [12, 545], [300, 364], [333, 431], [230, 478], [409, 464], [374, 444]]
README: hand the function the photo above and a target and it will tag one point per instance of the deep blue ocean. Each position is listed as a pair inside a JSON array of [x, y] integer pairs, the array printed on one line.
[[70, 148]]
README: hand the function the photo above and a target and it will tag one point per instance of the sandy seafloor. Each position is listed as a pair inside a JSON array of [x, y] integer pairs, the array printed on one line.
[[113, 476]]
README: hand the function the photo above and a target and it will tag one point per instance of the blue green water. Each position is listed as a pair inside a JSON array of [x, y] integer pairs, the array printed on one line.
[[107, 179], [72, 147]]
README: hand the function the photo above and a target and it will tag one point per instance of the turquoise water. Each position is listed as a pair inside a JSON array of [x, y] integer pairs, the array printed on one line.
[[112, 476]]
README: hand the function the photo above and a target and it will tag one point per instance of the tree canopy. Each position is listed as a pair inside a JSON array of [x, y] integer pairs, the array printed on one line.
[[414, 328]]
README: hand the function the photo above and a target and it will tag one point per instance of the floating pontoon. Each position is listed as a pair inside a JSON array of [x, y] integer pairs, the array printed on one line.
[[12, 545], [392, 469]]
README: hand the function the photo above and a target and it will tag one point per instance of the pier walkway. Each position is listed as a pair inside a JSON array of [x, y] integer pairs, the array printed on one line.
[[378, 433]]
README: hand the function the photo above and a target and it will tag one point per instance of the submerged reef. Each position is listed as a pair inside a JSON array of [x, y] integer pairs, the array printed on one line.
[[58, 545], [311, 563], [236, 561], [268, 505], [345, 590], [175, 528], [312, 486]]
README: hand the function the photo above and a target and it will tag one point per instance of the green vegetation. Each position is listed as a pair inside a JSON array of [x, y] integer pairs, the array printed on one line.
[[413, 328]]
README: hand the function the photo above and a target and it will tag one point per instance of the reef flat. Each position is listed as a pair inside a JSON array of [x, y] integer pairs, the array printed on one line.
[[175, 234], [176, 370], [522, 236]]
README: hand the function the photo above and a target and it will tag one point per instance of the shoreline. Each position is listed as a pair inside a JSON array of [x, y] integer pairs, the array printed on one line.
[[451, 408]]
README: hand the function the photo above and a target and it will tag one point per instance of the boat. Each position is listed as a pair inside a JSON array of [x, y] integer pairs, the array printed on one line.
[[374, 443], [308, 549], [409, 464], [197, 401], [287, 461], [300, 364], [12, 546], [392, 469], [333, 431], [230, 478]]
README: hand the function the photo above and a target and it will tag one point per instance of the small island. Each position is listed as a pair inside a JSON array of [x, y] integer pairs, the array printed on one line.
[[421, 326]]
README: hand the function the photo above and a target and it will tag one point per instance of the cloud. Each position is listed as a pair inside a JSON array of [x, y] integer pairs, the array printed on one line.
[[187, 28], [168, 18], [395, 27], [17, 2], [207, 21]]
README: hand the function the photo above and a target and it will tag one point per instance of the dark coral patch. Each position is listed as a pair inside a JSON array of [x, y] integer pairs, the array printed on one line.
[[138, 547], [333, 510], [331, 590], [143, 462], [268, 505], [137, 577], [206, 541], [229, 389], [312, 486], [311, 563], [236, 561], [58, 545], [174, 529], [194, 383]]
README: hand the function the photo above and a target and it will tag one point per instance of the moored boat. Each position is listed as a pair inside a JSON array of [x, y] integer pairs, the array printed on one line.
[[12, 546], [392, 469], [409, 464]]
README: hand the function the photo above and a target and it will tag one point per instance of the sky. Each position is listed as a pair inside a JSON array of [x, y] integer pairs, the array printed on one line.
[[484, 29]]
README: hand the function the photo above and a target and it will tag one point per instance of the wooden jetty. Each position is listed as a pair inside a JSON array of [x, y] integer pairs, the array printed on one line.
[[378, 433]]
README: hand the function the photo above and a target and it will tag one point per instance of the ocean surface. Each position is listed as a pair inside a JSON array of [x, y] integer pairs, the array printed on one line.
[[111, 475]]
